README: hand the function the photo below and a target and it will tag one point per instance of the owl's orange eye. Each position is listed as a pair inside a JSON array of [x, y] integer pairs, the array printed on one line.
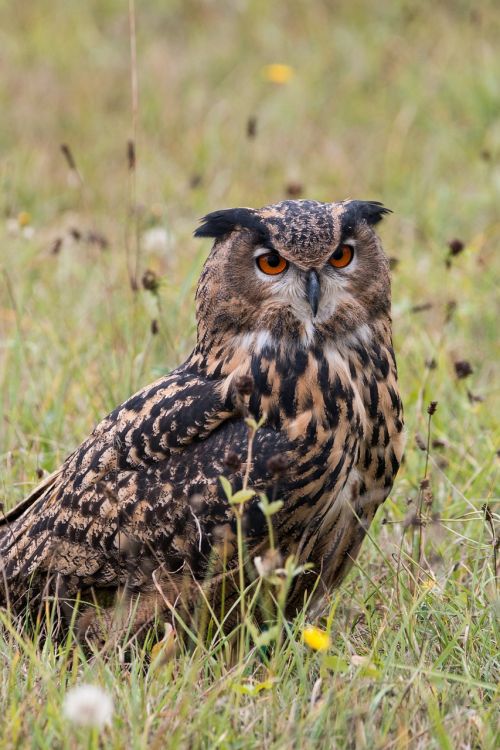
[[271, 263], [342, 256]]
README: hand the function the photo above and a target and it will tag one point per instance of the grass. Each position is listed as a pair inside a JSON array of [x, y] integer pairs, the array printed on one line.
[[398, 103]]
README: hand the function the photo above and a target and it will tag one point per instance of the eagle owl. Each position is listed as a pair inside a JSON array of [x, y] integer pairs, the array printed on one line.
[[294, 303]]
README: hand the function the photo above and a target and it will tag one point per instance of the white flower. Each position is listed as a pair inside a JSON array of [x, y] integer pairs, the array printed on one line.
[[12, 226], [88, 706], [28, 232], [155, 240]]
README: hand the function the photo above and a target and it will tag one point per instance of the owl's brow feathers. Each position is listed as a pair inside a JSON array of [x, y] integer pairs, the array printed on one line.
[[327, 222]]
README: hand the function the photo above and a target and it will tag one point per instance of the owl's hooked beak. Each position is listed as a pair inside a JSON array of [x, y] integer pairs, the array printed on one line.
[[313, 290]]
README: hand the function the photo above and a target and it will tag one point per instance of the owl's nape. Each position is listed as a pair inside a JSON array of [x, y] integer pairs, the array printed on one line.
[[294, 301]]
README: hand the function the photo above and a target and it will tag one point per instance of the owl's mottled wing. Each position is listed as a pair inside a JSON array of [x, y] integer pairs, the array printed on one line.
[[131, 482]]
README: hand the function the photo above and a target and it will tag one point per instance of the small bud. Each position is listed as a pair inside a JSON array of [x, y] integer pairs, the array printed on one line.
[[439, 443], [431, 364], [97, 238], [427, 497], [244, 385], [39, 472], [463, 369], [278, 464], [232, 461], [422, 307], [431, 409], [154, 327]]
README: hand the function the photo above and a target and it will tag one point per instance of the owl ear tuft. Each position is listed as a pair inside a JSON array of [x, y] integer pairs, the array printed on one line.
[[370, 211], [220, 223]]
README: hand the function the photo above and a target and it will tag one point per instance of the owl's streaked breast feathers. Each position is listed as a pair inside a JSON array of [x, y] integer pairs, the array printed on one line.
[[314, 334]]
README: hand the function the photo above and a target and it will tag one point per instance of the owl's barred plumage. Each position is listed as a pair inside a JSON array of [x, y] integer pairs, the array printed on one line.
[[139, 503]]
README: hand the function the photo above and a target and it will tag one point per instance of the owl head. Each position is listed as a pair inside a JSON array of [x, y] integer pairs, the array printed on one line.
[[298, 271]]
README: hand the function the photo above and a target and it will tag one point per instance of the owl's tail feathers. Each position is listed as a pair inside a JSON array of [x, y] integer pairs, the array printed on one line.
[[16, 545]]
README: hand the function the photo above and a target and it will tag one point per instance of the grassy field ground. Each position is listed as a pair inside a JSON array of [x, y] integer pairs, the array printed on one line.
[[394, 101]]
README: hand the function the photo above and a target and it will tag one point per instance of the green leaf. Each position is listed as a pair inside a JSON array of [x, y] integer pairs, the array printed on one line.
[[226, 486], [271, 508], [241, 497]]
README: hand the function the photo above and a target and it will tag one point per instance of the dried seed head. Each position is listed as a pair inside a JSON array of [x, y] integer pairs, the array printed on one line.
[[474, 398], [420, 442], [439, 443], [98, 239], [252, 127], [195, 181], [154, 327], [294, 189], [463, 369], [456, 246], [422, 307], [66, 151], [150, 281], [131, 154], [278, 464], [56, 246], [425, 483], [232, 461], [451, 306], [412, 519], [244, 385], [431, 364], [431, 409]]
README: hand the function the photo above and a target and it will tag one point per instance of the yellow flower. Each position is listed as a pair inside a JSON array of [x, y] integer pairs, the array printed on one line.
[[278, 73], [317, 639], [23, 219]]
